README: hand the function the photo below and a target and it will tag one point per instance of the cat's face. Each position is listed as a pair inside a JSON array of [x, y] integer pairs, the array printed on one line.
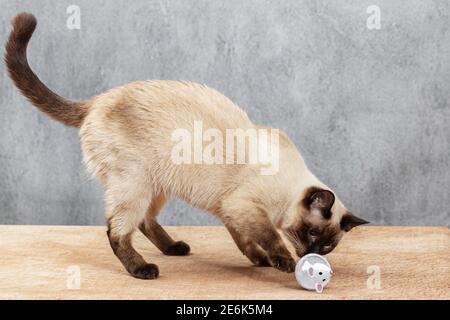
[[320, 223]]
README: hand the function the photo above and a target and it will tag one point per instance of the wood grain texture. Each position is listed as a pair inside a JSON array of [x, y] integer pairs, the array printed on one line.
[[34, 262]]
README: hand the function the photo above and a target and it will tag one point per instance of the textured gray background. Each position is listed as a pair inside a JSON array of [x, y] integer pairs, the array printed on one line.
[[369, 109]]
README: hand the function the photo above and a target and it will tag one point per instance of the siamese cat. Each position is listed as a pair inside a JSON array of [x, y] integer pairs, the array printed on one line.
[[126, 138]]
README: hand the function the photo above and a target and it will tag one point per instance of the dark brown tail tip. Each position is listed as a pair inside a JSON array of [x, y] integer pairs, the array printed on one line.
[[23, 26]]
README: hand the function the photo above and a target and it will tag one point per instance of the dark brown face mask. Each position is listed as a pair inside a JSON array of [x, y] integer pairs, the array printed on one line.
[[321, 237]]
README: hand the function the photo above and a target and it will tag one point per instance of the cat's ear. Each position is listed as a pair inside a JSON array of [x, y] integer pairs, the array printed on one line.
[[349, 221], [321, 199], [311, 271]]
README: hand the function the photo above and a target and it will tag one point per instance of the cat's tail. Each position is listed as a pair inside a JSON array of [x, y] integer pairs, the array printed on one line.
[[68, 112]]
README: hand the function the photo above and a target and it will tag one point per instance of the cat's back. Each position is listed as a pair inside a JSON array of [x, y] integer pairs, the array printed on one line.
[[167, 104], [130, 130]]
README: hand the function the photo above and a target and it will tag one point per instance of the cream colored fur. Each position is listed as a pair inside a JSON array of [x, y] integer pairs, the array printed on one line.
[[126, 141]]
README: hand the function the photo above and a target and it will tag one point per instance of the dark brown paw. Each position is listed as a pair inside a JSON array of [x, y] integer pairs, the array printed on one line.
[[148, 272], [283, 263], [179, 248], [261, 261]]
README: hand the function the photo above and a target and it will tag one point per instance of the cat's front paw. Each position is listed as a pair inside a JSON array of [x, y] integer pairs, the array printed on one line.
[[283, 263]]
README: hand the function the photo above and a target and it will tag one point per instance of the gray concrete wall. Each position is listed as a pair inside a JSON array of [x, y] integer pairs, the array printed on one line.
[[369, 109]]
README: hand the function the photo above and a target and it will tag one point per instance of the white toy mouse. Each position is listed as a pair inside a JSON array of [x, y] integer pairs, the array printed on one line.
[[313, 272]]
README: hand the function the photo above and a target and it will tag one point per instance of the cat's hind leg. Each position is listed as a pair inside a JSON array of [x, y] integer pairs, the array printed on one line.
[[156, 233], [125, 208]]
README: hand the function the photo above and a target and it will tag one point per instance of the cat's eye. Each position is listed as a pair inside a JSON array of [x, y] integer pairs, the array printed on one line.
[[314, 232], [320, 273]]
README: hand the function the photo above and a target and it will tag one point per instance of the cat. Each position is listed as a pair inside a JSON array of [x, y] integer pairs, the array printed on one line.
[[126, 142]]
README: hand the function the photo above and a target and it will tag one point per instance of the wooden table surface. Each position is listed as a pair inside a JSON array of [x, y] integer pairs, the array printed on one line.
[[42, 262]]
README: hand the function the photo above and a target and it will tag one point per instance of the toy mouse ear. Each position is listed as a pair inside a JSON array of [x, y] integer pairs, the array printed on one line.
[[310, 271], [318, 287]]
